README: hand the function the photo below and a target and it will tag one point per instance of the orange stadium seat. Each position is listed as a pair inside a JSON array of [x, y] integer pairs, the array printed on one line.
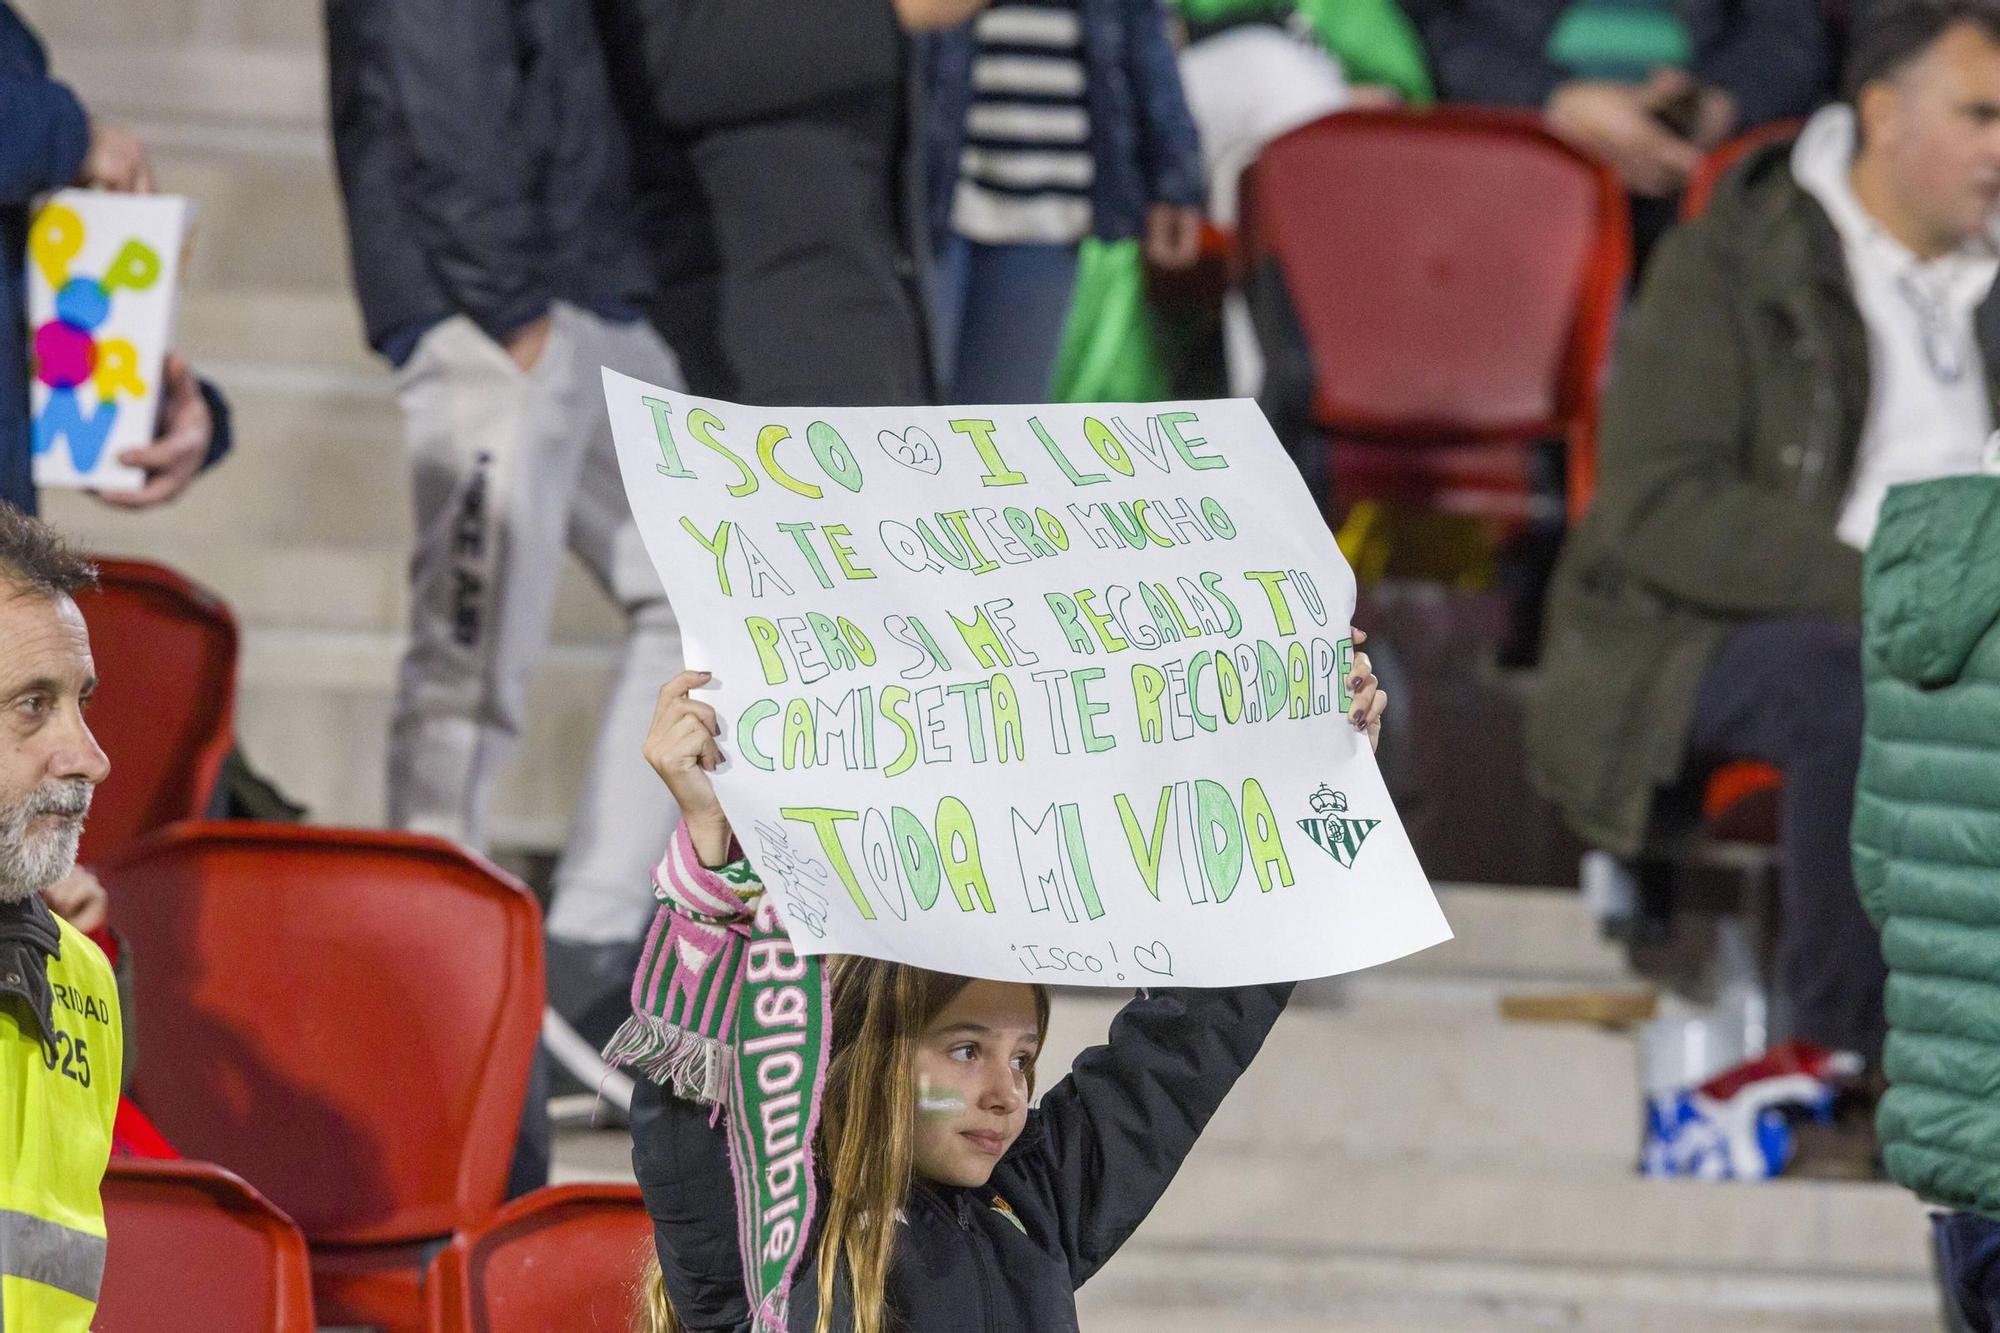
[[1453, 275], [567, 1259], [165, 651], [194, 1249], [347, 1019]]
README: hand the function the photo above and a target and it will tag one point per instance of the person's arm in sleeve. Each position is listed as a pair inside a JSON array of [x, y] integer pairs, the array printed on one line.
[[1476, 59], [1774, 63], [472, 192], [44, 136], [1169, 144], [682, 1163], [1114, 1132], [1680, 511], [222, 433]]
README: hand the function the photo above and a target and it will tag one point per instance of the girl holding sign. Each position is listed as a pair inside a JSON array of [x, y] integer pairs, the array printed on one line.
[[892, 1100]]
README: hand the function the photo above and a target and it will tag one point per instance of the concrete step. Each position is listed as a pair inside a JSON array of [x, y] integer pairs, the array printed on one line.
[[1400, 1162], [314, 710], [1585, 1215], [1505, 941], [1287, 1237], [172, 29], [237, 125], [1406, 1077], [1150, 1288], [1414, 1245], [280, 340], [1407, 1081], [326, 470], [267, 208]]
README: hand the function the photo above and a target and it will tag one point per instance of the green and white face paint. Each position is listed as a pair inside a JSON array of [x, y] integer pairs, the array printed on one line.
[[932, 1101]]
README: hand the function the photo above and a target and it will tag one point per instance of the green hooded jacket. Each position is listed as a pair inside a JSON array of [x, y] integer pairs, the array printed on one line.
[[1730, 428], [1927, 831]]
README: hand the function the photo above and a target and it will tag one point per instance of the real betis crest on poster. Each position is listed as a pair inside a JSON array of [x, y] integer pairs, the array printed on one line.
[[1332, 831]]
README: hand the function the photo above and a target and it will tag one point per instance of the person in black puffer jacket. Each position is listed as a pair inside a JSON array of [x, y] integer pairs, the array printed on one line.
[[993, 1238], [779, 198], [1002, 1211]]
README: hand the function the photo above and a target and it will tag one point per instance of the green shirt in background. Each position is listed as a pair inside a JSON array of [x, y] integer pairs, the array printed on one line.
[[1115, 348], [1620, 40], [1372, 39]]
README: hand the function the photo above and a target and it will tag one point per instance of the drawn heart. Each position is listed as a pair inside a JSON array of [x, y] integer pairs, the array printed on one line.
[[1154, 958], [914, 449]]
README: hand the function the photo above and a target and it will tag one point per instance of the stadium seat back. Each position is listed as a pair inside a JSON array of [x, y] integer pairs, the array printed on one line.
[[1701, 186], [567, 1259], [1453, 273], [165, 651], [194, 1249], [345, 1018], [1439, 262]]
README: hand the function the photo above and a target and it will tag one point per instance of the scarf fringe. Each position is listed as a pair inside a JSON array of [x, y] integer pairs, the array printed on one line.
[[693, 1067]]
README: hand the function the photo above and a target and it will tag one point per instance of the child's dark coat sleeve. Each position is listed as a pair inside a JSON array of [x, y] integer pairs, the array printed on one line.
[[683, 1167], [1107, 1140]]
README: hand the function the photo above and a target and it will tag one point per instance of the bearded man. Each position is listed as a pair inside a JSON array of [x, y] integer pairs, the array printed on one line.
[[61, 1047]]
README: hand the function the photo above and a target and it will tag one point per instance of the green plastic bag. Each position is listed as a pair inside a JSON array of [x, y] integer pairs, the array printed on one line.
[[1110, 349], [1115, 349], [1374, 42]]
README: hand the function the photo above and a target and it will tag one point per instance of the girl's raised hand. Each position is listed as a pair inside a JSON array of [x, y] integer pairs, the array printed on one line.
[[1369, 698], [680, 745]]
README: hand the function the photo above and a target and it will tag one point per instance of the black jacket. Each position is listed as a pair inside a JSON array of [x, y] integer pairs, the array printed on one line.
[[484, 169], [1095, 1156], [43, 137], [1772, 56]]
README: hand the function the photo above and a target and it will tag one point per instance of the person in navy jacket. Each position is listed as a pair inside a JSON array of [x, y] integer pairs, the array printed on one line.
[[48, 141]]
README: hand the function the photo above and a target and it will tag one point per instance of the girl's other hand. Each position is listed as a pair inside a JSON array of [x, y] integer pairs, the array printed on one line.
[[1369, 698], [681, 747]]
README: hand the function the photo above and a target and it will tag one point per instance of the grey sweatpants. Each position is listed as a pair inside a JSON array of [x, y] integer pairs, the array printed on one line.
[[509, 469]]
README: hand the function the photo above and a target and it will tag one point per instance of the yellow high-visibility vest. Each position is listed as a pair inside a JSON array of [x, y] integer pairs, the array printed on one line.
[[57, 1106]]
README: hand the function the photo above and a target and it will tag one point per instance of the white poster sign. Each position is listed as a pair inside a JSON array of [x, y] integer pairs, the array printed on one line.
[[1038, 693]]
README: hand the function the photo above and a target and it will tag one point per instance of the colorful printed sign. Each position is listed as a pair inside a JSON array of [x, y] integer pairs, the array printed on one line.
[[101, 279], [1042, 693]]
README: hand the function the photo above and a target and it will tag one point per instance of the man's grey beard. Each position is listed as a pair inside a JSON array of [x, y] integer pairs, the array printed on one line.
[[31, 863]]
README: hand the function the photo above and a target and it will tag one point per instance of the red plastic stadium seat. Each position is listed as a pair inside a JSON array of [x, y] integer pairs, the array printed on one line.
[[347, 1019], [194, 1249], [561, 1260], [165, 709], [1454, 274], [1701, 186], [1739, 803]]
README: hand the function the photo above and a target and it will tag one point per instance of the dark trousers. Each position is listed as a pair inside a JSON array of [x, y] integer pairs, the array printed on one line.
[[1788, 692], [1968, 1260], [817, 298], [534, 1147], [769, 145]]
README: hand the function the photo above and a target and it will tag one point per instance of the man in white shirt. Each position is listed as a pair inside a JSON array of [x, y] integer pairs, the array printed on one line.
[[1825, 331], [1929, 411]]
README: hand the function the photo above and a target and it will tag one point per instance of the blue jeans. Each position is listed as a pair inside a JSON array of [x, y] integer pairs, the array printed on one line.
[[1968, 1257], [999, 314]]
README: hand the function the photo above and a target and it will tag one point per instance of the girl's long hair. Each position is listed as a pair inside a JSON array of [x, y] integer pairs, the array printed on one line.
[[867, 1131]]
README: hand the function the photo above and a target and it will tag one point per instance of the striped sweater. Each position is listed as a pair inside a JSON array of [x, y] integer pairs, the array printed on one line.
[[1026, 171]]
